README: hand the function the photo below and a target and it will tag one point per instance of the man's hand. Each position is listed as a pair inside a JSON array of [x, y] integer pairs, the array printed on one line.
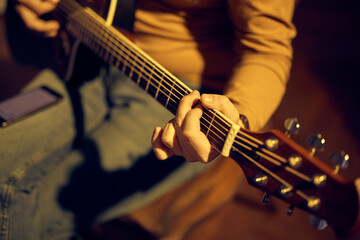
[[30, 12], [182, 136]]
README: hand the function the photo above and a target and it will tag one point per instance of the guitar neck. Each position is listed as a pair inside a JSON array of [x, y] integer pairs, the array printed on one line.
[[115, 48]]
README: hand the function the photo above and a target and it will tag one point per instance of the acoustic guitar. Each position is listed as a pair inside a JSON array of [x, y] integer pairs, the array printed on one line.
[[271, 161]]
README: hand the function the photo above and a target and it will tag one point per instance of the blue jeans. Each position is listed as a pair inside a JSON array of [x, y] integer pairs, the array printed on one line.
[[84, 160]]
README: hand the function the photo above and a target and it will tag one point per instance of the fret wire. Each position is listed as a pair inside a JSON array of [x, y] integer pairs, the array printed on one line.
[[167, 100], [140, 78], [140, 75], [215, 124], [127, 55], [244, 134], [157, 92], [205, 126], [214, 143], [128, 60], [223, 121], [212, 119], [170, 94], [149, 78], [147, 87], [127, 51], [117, 63]]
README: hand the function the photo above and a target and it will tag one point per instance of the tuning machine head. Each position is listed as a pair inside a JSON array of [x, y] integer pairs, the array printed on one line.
[[266, 198], [340, 160], [317, 143], [317, 223], [292, 126]]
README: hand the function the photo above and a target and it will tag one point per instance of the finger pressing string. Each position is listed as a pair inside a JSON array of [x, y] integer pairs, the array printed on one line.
[[169, 138], [221, 103], [186, 104]]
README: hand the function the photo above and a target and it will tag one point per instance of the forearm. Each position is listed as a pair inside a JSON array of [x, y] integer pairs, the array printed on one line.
[[263, 35], [256, 90]]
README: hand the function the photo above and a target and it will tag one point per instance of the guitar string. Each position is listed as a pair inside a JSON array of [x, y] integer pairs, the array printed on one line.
[[147, 87], [275, 176], [223, 120], [269, 159], [298, 192], [79, 7], [129, 60], [216, 142], [160, 77], [124, 58], [272, 160], [300, 175], [137, 70], [279, 164], [148, 81]]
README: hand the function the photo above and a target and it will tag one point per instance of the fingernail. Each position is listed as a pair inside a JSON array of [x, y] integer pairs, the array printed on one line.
[[195, 92], [206, 98]]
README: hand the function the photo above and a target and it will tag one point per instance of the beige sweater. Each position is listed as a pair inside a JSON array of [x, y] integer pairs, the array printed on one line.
[[241, 47]]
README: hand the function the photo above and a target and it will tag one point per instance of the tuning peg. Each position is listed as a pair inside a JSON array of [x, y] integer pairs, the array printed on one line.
[[260, 179], [290, 210], [271, 143], [292, 126], [317, 143], [317, 223], [340, 159], [266, 198]]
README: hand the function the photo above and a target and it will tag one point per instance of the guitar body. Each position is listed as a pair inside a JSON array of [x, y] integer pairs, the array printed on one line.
[[75, 62]]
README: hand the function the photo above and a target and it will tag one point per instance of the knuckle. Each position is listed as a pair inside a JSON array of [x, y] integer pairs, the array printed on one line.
[[188, 135], [176, 123], [167, 139], [224, 99], [183, 100]]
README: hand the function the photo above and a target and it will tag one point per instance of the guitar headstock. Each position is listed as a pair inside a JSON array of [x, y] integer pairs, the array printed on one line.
[[277, 165]]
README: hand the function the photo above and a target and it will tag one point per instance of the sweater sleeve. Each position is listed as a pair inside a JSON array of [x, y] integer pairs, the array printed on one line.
[[264, 32]]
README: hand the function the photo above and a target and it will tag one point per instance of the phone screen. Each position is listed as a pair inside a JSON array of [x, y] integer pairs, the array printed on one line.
[[21, 105]]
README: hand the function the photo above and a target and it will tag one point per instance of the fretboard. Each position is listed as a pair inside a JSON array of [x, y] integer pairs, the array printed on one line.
[[116, 49]]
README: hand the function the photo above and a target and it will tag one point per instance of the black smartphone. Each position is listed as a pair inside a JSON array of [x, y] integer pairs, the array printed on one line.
[[22, 105]]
